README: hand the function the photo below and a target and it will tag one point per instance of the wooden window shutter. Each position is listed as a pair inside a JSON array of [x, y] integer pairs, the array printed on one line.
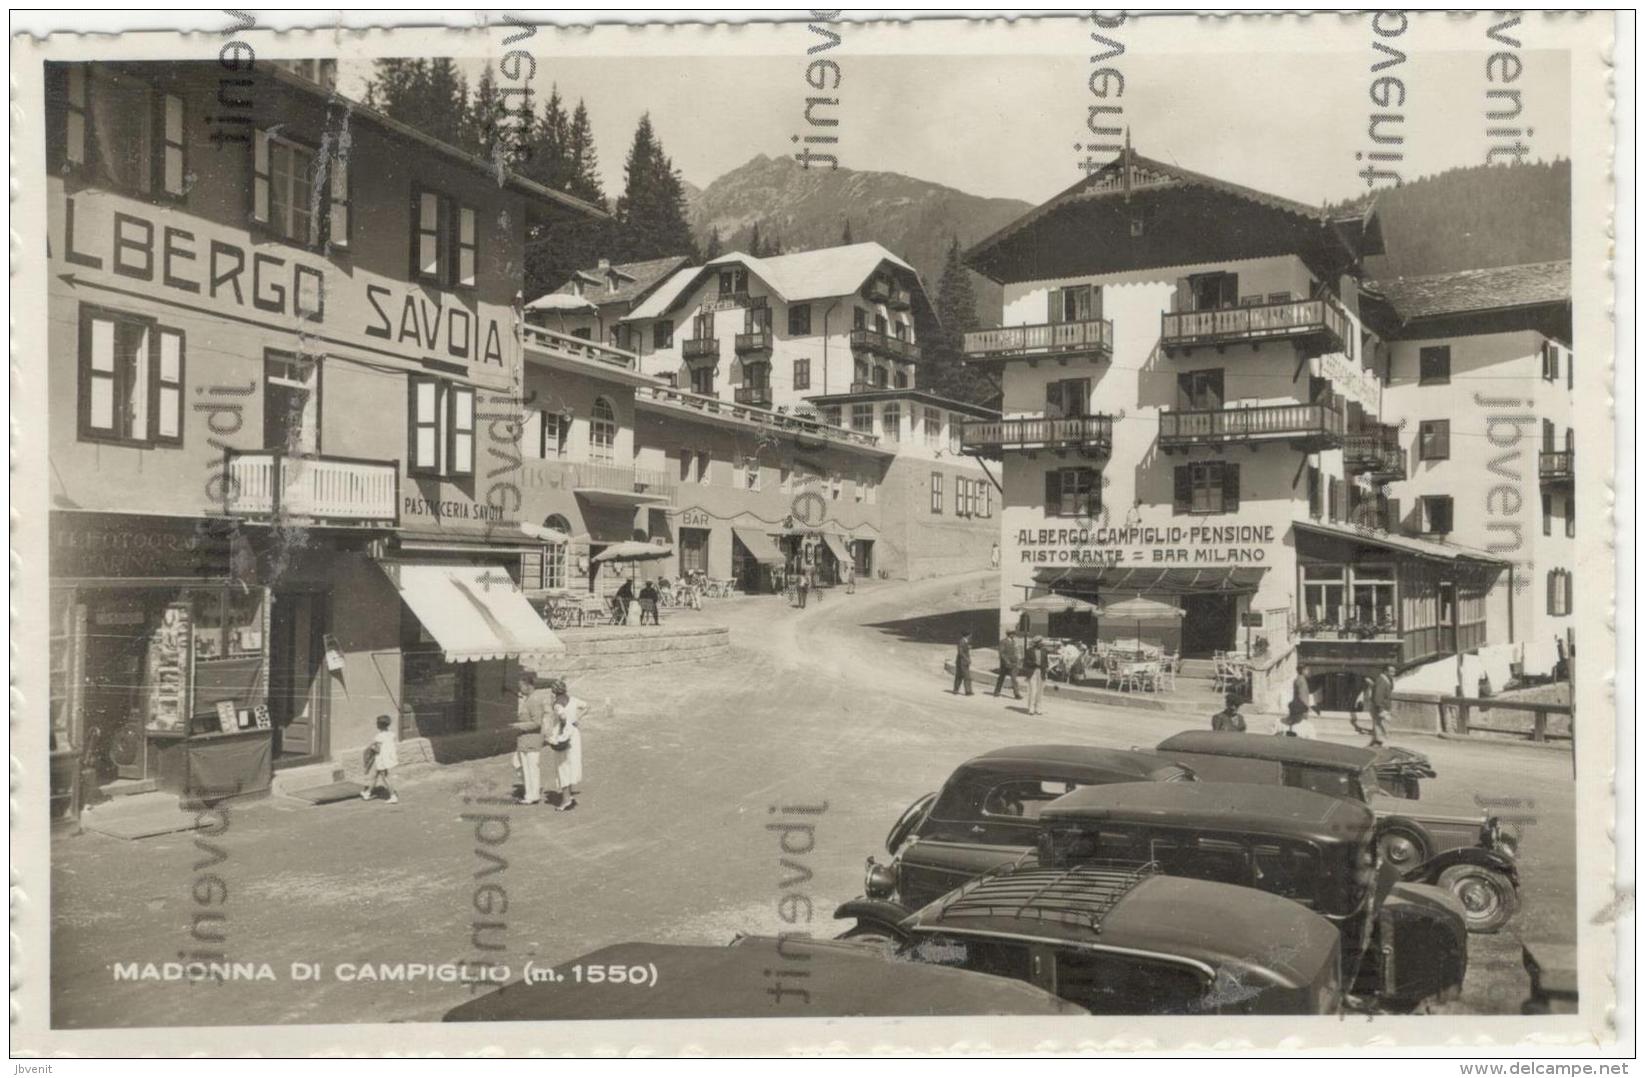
[[339, 207], [1182, 488], [1230, 488], [1053, 400], [1096, 490], [1553, 586], [1314, 508], [260, 180], [1547, 436], [172, 163], [1339, 499], [1184, 299], [1095, 312], [1185, 391], [77, 122], [1391, 522], [1053, 305], [1053, 492]]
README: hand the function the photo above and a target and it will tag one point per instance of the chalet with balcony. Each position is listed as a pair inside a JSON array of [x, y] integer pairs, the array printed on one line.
[[593, 303], [283, 378], [1194, 411]]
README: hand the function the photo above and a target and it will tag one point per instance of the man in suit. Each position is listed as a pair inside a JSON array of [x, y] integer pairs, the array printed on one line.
[[1382, 702], [962, 665], [1010, 663]]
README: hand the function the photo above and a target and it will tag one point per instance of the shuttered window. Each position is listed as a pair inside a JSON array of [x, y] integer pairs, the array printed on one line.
[[1210, 486], [468, 247], [1073, 492], [1200, 390], [173, 161], [131, 379], [77, 116], [1434, 439], [441, 427]]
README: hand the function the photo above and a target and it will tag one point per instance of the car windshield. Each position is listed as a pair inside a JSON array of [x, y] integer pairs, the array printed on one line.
[[972, 796], [1325, 780]]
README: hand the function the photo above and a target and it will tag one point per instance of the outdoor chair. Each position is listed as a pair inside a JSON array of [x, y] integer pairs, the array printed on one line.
[[1168, 671]]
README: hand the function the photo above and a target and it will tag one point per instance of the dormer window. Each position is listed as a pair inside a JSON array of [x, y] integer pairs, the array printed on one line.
[[733, 281]]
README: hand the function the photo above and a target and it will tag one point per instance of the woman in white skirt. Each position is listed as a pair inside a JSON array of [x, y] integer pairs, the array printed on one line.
[[565, 745]]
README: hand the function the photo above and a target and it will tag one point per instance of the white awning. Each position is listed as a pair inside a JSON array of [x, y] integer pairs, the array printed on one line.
[[837, 546], [476, 612], [759, 545]]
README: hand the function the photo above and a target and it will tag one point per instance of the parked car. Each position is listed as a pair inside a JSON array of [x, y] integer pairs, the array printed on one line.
[[754, 977], [1402, 943], [1472, 857], [1130, 940], [985, 815]]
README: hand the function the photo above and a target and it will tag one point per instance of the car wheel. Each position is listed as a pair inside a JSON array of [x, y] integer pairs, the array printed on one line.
[[876, 935], [1402, 847], [1489, 899]]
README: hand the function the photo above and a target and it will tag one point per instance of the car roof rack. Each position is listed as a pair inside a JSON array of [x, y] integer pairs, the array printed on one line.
[[1082, 895]]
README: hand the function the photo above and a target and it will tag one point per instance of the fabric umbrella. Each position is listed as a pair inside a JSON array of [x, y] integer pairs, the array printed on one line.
[[1056, 604], [1140, 610], [632, 552]]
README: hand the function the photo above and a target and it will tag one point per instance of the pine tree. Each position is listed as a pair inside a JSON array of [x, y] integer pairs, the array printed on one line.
[[545, 158], [845, 234], [651, 212], [485, 123], [582, 159], [446, 104], [943, 348], [756, 246], [713, 249]]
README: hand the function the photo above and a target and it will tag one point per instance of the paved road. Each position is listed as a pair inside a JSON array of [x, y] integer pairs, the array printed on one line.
[[693, 776]]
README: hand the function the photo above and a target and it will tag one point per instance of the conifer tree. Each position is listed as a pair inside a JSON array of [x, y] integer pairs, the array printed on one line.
[[756, 245], [714, 247], [650, 214], [943, 347], [485, 123], [845, 234]]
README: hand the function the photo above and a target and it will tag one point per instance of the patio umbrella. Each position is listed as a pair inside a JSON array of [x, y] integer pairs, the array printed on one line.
[[1140, 610], [1056, 604], [632, 552]]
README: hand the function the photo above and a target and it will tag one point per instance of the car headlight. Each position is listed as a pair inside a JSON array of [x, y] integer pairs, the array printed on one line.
[[880, 881]]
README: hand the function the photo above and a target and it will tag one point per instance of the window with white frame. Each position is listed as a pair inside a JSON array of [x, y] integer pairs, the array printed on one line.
[[936, 492], [131, 379], [891, 422], [602, 432], [124, 131], [543, 434], [445, 240], [955, 427], [1323, 594], [933, 428], [442, 428], [1373, 594], [862, 418]]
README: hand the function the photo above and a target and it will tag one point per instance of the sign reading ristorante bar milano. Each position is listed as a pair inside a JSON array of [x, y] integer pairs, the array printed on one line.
[[112, 245], [1172, 544]]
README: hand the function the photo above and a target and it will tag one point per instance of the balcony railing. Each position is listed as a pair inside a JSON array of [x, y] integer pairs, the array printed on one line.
[[1375, 453], [603, 479], [700, 348], [1557, 465], [1314, 426], [758, 396], [1254, 323], [1091, 433], [883, 344], [538, 339], [757, 341], [901, 299], [879, 290], [801, 427], [332, 490], [1092, 339]]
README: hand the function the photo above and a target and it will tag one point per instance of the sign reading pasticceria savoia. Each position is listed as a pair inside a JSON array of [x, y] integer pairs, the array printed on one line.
[[1173, 544]]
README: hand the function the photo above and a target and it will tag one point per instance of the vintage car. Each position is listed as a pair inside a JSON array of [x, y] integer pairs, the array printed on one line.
[[753, 977], [1130, 940], [984, 816], [1402, 943], [1469, 856]]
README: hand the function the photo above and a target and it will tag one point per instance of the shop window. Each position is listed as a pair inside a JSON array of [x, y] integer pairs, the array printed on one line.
[[1200, 390], [1323, 594], [1073, 492], [124, 132], [802, 374], [442, 428], [1434, 439], [602, 432], [1434, 365], [662, 333], [1206, 487], [436, 697], [1436, 514], [936, 492], [131, 379], [799, 320], [444, 240], [862, 418], [891, 421]]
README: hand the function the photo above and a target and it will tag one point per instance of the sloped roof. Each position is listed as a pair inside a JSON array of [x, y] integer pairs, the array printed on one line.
[[797, 277], [640, 278], [1476, 290], [560, 301]]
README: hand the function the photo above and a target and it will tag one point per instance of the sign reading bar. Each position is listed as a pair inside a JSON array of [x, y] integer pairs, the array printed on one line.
[[1174, 544]]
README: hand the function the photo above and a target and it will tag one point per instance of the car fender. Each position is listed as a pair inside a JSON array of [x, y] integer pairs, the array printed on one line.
[[1428, 871], [1389, 821], [878, 911]]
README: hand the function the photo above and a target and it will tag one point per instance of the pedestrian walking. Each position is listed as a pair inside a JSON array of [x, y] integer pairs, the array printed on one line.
[[1229, 719], [648, 603], [382, 757], [1035, 663], [805, 586], [1382, 702], [535, 704], [962, 665], [565, 744], [1010, 663], [850, 578], [994, 557]]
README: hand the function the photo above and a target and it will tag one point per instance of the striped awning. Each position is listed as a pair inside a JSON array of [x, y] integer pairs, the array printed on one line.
[[475, 612], [1112, 579]]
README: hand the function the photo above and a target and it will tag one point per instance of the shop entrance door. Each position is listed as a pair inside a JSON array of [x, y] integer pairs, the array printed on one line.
[[297, 695], [1208, 625]]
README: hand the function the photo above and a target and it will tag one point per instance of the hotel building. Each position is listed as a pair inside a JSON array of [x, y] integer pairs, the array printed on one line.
[[1198, 392]]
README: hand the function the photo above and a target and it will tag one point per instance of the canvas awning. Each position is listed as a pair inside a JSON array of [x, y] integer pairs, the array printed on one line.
[[836, 546], [1403, 544], [476, 612], [759, 546], [1110, 579]]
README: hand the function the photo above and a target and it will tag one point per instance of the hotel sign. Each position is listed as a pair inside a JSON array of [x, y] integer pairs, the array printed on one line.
[[1149, 545], [1350, 381], [107, 244]]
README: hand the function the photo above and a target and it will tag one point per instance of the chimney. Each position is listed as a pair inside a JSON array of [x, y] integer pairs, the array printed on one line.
[[605, 265]]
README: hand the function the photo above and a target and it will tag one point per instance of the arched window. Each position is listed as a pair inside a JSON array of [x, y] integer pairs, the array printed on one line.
[[602, 432], [554, 554]]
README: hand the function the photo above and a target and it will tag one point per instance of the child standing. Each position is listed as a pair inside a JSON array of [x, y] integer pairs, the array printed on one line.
[[382, 756]]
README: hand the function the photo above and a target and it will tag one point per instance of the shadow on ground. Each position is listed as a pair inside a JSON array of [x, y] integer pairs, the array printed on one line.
[[946, 628]]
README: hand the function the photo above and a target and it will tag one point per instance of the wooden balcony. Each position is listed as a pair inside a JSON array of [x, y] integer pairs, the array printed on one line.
[[1061, 341], [755, 342], [701, 349], [879, 290], [1309, 427], [1374, 453], [883, 344], [339, 491], [755, 396], [1091, 435], [901, 299], [1556, 466], [1307, 321]]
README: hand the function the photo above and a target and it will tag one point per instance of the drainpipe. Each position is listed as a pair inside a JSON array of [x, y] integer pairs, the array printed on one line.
[[826, 313]]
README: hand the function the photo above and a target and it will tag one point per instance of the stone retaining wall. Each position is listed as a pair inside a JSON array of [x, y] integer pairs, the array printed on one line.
[[623, 648]]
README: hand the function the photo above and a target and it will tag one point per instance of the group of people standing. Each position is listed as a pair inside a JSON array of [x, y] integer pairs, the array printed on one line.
[[1021, 656], [549, 759]]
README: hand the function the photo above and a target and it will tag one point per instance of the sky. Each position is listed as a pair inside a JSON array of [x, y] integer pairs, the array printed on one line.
[[1278, 103]]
